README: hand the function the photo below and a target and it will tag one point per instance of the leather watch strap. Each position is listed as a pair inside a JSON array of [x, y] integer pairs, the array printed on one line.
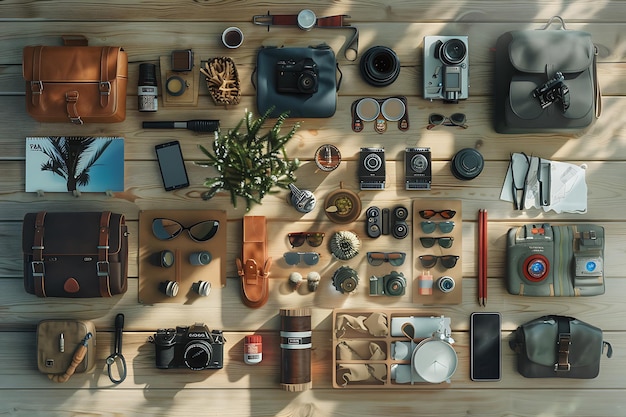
[[103, 255]]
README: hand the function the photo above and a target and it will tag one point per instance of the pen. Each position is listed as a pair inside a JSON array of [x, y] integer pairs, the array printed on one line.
[[195, 125]]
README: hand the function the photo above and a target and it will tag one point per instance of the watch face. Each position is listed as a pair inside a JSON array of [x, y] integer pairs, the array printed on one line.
[[306, 19], [327, 157], [434, 360]]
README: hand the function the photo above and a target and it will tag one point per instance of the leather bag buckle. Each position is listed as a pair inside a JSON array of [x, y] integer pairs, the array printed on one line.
[[564, 343], [105, 88], [103, 268], [36, 87], [38, 268]]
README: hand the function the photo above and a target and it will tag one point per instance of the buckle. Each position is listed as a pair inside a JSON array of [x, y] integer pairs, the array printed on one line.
[[36, 87], [102, 268], [105, 88], [76, 120], [38, 268], [564, 343]]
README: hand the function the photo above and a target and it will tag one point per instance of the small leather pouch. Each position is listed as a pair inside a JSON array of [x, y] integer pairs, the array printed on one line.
[[58, 340]]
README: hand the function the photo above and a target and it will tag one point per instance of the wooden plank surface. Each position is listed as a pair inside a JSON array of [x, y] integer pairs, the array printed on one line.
[[153, 28]]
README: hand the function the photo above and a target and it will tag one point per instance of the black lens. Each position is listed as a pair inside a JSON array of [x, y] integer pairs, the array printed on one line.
[[165, 229], [427, 242], [197, 355], [296, 239], [436, 119], [379, 66], [457, 118], [376, 258], [396, 258], [449, 261], [307, 82], [395, 285], [203, 231], [453, 52], [315, 239]]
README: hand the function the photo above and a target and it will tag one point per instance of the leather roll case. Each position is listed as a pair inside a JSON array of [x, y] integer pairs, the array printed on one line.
[[75, 83], [77, 255], [57, 341]]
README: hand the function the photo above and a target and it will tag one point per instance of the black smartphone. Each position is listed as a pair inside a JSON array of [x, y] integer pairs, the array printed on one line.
[[172, 165], [485, 346]]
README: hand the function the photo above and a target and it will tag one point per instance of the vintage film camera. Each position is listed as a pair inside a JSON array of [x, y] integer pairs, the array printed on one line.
[[553, 90], [299, 77], [372, 172], [446, 68], [556, 261], [194, 347], [417, 169], [392, 284]]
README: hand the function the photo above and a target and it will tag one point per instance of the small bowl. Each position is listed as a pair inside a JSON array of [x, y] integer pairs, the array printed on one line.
[[342, 206]]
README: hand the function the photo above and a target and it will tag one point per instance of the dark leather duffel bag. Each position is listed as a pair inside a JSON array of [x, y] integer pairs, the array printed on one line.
[[76, 255]]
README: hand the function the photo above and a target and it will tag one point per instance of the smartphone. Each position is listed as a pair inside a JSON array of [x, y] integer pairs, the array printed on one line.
[[172, 165], [485, 346]]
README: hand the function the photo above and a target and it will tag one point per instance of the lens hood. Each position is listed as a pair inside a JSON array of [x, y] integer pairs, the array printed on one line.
[[379, 66]]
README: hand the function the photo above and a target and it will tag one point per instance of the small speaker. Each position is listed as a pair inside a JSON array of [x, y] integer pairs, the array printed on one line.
[[399, 226], [373, 222]]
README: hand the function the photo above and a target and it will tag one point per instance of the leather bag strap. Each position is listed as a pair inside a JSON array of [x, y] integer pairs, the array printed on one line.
[[103, 255], [37, 265], [564, 341], [36, 85], [71, 102], [105, 85]]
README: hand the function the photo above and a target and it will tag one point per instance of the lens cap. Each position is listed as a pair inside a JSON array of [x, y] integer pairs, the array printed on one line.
[[467, 164]]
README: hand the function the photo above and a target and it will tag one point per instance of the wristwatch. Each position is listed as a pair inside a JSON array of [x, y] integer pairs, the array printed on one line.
[[307, 20]]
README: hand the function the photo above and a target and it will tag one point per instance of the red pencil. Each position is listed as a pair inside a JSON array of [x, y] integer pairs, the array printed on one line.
[[482, 257]]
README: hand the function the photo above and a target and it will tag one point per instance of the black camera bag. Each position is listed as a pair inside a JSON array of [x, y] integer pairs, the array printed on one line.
[[322, 103], [558, 347], [526, 60]]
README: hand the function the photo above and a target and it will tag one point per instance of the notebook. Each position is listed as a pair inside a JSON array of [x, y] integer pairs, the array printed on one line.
[[74, 163]]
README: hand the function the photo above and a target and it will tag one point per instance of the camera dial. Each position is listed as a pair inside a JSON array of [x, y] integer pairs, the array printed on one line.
[[536, 268]]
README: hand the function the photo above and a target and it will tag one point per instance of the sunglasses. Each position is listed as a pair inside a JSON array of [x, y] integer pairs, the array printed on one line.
[[309, 258], [313, 238], [444, 242], [446, 214], [167, 229], [378, 258], [429, 226], [456, 119], [447, 261]]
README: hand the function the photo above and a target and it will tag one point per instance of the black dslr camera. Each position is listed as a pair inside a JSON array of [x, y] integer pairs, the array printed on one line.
[[193, 347], [555, 261], [553, 90], [297, 77], [392, 284]]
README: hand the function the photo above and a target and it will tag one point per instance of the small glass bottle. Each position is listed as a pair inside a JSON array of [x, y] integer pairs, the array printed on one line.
[[253, 349], [147, 93]]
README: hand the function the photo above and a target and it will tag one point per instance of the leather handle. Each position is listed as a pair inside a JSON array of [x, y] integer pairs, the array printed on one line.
[[74, 40]]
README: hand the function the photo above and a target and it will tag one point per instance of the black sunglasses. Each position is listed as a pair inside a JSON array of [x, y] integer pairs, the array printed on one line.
[[447, 261], [446, 214], [378, 258], [313, 238], [167, 229], [430, 226], [456, 119], [309, 258], [444, 242]]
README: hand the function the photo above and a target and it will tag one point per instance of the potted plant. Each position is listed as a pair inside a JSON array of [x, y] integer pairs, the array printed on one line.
[[250, 164]]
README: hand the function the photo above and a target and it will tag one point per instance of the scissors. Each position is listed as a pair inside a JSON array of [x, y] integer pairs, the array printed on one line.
[[520, 166], [117, 356]]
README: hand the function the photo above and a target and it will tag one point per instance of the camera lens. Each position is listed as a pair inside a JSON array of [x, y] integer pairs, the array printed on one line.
[[197, 355], [379, 66], [307, 82], [394, 286], [453, 52]]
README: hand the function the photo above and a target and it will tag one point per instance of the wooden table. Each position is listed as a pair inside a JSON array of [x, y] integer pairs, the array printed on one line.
[[148, 30]]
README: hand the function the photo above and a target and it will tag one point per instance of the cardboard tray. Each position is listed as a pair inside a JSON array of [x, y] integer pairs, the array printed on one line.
[[151, 274], [384, 342]]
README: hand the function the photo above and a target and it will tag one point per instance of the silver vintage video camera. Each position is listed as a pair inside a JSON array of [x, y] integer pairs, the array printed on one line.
[[446, 68], [555, 261]]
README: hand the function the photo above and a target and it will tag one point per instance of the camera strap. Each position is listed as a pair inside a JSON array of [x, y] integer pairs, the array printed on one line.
[[327, 22], [117, 356]]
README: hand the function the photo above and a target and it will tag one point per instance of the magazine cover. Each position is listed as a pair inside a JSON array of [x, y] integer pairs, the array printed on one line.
[[74, 163]]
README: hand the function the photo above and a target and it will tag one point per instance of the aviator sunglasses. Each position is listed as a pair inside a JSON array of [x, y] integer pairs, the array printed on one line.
[[444, 242], [446, 214], [167, 229], [430, 226], [378, 258], [313, 238], [309, 258], [456, 119], [447, 261]]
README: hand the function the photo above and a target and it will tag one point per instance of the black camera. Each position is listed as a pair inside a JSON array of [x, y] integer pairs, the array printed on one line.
[[299, 77], [392, 284], [194, 347], [372, 172], [555, 261], [553, 90], [417, 169], [446, 68]]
